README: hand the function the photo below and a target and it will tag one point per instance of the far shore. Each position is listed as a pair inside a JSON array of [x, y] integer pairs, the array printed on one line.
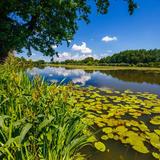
[[85, 67]]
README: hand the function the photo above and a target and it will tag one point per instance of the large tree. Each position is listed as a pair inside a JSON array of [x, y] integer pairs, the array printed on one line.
[[41, 24]]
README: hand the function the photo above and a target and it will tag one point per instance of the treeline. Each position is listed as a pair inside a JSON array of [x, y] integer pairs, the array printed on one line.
[[29, 63], [140, 57]]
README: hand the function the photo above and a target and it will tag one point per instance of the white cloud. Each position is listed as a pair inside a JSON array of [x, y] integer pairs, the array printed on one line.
[[77, 75], [63, 56], [75, 56], [83, 79], [82, 48], [109, 39], [54, 46], [79, 56]]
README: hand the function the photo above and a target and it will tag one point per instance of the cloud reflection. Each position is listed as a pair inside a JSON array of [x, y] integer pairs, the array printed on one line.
[[75, 75]]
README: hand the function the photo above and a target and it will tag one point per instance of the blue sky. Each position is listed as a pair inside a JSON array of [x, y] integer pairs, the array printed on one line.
[[118, 29]]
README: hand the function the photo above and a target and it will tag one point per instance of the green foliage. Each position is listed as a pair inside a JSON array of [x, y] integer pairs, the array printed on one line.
[[120, 116], [39, 24], [140, 58], [133, 57], [100, 146], [37, 121]]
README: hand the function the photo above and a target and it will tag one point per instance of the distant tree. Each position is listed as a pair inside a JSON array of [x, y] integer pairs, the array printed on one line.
[[140, 57], [41, 24], [88, 61], [133, 57], [41, 61]]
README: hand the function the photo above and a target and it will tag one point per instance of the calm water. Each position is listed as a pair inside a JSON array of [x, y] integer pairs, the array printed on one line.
[[139, 81], [117, 80]]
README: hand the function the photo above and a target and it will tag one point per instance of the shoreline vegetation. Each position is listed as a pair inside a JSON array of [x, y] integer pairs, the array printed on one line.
[[126, 60], [86, 67], [37, 120]]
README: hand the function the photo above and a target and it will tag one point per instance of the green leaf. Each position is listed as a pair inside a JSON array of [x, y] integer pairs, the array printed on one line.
[[156, 155], [100, 146], [24, 131], [45, 123]]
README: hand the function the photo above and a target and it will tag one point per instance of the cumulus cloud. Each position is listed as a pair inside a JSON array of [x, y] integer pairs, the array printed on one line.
[[63, 56], [109, 39], [79, 56], [83, 79], [74, 56], [76, 75], [54, 46], [82, 48]]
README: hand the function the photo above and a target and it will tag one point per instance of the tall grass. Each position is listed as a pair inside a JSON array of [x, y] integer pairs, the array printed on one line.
[[37, 121]]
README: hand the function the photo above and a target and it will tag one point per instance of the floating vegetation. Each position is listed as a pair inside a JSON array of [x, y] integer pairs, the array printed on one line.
[[155, 120], [132, 118], [100, 146]]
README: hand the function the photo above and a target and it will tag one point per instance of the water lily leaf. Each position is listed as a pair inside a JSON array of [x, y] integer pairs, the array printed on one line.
[[121, 129], [155, 120], [116, 137], [156, 109], [101, 124], [156, 155], [141, 148], [104, 137], [157, 131], [155, 140], [110, 135], [107, 130], [100, 146]]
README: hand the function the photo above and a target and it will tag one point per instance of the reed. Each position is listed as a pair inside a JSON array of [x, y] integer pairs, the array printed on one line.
[[37, 120]]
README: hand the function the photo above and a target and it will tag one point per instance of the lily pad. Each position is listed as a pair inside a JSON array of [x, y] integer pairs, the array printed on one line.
[[107, 130], [156, 155], [157, 131], [155, 120], [141, 148], [104, 137], [100, 146]]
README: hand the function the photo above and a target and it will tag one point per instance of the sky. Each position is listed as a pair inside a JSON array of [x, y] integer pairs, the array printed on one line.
[[111, 33]]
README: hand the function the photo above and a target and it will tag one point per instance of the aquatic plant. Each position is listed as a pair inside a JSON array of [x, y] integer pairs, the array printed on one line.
[[123, 116], [38, 121]]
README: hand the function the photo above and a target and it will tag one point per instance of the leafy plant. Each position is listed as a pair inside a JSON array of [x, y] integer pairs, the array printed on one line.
[[38, 121]]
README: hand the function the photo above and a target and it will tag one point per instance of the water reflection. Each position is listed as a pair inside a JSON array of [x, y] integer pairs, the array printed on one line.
[[51, 74], [115, 79], [135, 76], [115, 151]]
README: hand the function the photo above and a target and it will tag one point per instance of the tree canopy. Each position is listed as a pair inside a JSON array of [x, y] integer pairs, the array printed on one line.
[[141, 57], [133, 57], [41, 24]]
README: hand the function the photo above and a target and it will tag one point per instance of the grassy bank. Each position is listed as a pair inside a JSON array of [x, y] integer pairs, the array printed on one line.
[[37, 121], [105, 67]]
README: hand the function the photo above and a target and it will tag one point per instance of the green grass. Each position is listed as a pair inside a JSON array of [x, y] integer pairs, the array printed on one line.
[[37, 121], [105, 67]]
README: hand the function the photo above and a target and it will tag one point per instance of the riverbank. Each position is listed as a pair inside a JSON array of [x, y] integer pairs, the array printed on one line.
[[105, 67]]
